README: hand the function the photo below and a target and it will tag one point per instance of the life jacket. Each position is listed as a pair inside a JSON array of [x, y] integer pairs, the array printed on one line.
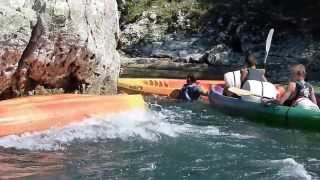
[[303, 90], [190, 92], [255, 74]]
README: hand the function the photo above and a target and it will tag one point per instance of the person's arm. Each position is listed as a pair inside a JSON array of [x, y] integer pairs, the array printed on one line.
[[313, 96], [264, 76], [244, 74], [290, 91], [203, 92]]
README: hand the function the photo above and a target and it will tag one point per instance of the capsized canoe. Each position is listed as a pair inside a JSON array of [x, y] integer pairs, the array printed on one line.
[[161, 87], [269, 114], [38, 113]]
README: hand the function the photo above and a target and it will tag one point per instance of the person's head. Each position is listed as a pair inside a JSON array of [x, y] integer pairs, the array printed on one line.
[[251, 60], [298, 72], [191, 79]]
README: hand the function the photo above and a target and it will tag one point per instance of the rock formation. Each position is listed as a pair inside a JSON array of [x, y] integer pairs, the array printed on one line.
[[68, 44], [221, 32]]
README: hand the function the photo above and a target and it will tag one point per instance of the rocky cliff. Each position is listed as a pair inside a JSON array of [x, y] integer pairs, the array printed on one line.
[[219, 33], [58, 44]]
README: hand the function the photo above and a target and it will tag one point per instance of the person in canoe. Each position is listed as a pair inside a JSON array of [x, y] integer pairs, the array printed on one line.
[[299, 92], [191, 91], [238, 79], [250, 72]]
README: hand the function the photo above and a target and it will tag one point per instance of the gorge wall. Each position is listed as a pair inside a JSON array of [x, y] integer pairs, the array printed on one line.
[[219, 33], [64, 45]]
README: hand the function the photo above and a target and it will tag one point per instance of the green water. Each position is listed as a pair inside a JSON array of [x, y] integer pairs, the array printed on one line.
[[171, 141]]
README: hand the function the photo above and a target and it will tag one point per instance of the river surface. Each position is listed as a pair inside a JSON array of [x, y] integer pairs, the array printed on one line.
[[170, 141]]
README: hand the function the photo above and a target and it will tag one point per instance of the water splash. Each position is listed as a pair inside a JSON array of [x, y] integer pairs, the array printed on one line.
[[145, 125], [151, 126], [290, 169]]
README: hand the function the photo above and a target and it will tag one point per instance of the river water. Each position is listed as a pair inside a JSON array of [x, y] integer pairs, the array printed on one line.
[[170, 141]]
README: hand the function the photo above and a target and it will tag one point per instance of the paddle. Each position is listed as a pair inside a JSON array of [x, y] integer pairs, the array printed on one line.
[[268, 45], [239, 92]]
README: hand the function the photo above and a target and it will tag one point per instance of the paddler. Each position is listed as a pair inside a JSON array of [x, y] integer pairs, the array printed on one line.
[[299, 92], [250, 71], [191, 91]]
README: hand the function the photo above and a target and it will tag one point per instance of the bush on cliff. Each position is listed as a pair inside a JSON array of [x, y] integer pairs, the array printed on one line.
[[171, 12]]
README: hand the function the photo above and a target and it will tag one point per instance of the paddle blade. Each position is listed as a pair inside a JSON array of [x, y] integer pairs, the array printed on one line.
[[268, 45], [239, 92], [269, 40]]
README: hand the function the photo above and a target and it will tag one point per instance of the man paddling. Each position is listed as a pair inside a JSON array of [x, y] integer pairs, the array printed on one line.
[[191, 91], [299, 92], [250, 72]]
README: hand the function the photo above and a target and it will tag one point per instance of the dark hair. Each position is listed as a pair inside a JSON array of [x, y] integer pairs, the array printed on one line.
[[191, 78], [251, 60]]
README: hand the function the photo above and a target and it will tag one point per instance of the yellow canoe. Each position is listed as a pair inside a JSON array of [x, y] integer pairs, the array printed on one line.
[[38, 113], [161, 87]]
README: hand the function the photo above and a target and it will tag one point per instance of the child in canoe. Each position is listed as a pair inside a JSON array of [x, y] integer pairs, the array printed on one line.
[[299, 92]]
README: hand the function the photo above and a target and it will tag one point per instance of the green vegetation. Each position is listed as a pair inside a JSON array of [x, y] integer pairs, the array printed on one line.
[[167, 10]]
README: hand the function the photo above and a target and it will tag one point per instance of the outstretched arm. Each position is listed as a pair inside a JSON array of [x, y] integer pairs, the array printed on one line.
[[290, 91], [313, 96]]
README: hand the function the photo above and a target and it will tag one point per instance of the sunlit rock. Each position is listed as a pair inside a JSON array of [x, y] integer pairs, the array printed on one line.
[[58, 44]]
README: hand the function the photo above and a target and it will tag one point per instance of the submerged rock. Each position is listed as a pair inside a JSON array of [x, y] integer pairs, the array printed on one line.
[[58, 44]]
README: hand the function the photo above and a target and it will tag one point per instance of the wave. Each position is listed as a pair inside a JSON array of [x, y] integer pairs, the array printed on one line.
[[290, 169], [125, 126], [146, 125]]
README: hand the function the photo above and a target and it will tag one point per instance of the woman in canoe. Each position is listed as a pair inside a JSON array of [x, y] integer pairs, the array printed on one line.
[[250, 72], [191, 91], [299, 92]]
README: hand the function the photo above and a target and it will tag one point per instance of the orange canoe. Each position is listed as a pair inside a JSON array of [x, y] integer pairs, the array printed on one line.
[[161, 87], [38, 113]]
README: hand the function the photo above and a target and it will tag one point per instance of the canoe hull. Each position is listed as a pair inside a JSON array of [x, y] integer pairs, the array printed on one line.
[[161, 87], [269, 114], [31, 114]]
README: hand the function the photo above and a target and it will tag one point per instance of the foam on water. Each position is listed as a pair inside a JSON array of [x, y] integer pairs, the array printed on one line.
[[151, 126], [241, 136], [146, 125], [289, 168]]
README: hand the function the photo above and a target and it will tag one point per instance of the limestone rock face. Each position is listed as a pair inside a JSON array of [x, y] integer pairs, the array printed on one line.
[[145, 28], [58, 44]]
